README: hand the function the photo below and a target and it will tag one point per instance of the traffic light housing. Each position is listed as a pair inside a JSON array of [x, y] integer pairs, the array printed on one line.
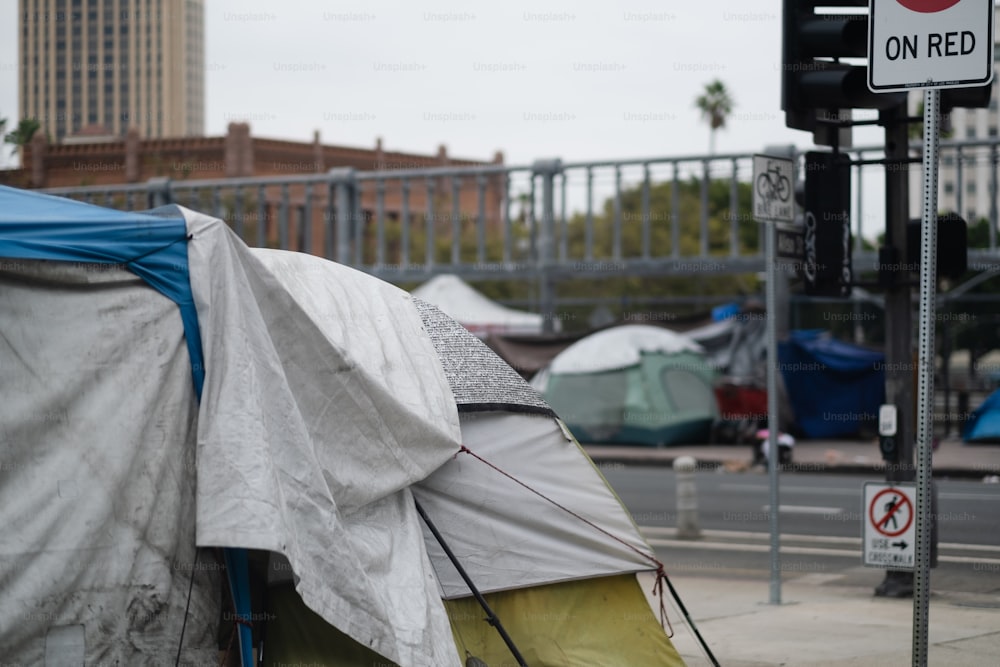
[[952, 245], [826, 267], [815, 83], [889, 448], [976, 97], [952, 251]]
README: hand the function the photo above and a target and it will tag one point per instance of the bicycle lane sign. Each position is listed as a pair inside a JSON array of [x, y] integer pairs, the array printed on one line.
[[889, 525], [773, 199]]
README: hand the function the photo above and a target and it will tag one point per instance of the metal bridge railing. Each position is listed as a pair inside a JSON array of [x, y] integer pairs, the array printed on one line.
[[482, 220], [657, 216]]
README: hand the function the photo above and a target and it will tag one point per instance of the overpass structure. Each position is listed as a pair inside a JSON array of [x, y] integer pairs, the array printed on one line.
[[557, 220]]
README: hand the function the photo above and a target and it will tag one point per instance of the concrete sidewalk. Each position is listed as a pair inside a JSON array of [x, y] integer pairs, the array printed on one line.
[[819, 624], [953, 457], [826, 626]]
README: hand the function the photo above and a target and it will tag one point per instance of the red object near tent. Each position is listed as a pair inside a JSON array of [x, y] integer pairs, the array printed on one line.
[[742, 410]]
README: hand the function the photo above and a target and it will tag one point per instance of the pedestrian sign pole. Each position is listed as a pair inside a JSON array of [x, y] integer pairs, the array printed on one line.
[[925, 377], [773, 203], [929, 44]]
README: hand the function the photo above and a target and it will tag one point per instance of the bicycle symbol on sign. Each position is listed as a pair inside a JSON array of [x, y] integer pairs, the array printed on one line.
[[773, 185]]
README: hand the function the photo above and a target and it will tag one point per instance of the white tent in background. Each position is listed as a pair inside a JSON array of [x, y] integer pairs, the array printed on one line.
[[476, 312]]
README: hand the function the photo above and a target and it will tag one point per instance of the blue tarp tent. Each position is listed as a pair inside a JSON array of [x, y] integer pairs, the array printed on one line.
[[171, 394], [984, 424], [42, 227], [138, 348], [834, 387]]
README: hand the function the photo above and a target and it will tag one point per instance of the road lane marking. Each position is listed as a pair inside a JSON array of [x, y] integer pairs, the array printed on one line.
[[800, 551], [668, 532], [753, 535], [804, 509], [827, 491], [791, 489]]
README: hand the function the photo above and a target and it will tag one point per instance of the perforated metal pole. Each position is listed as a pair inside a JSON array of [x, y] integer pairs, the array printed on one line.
[[925, 382], [771, 298]]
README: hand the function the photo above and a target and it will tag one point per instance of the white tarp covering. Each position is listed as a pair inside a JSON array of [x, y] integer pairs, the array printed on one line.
[[736, 346], [306, 442], [619, 347], [507, 537], [310, 436], [97, 483], [474, 311]]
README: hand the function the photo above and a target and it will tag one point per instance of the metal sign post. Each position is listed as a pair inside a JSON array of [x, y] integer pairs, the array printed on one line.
[[925, 381], [930, 44], [771, 300], [773, 203]]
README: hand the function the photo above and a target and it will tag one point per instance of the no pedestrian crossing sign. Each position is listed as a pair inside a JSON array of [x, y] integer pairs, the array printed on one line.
[[889, 525], [929, 44]]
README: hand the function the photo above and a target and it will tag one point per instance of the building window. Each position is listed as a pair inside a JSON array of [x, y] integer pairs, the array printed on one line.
[[970, 132], [949, 188], [970, 187]]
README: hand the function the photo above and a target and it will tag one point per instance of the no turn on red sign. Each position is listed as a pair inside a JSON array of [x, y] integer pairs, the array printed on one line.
[[890, 525], [929, 44]]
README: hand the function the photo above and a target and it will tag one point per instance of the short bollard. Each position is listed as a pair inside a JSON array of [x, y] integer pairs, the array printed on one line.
[[687, 499]]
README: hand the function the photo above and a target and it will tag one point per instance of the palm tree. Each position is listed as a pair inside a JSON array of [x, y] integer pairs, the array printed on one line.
[[3, 126], [715, 105], [22, 134]]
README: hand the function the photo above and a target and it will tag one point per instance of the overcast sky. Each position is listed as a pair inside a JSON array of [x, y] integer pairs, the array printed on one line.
[[575, 79]]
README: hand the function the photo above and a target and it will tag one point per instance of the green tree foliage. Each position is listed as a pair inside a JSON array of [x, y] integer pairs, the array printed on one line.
[[605, 280], [916, 129], [22, 134], [979, 234]]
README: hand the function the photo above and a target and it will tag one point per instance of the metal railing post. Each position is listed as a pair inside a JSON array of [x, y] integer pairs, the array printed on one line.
[[158, 192], [547, 169], [344, 185]]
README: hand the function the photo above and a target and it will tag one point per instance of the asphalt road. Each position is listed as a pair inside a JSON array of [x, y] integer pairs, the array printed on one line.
[[820, 524]]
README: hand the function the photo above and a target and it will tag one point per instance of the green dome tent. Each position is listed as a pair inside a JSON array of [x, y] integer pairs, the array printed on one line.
[[633, 384]]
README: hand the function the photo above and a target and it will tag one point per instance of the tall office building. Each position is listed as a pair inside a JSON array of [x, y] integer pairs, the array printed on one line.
[[104, 66]]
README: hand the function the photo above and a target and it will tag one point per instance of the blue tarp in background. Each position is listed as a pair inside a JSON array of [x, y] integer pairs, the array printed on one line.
[[834, 387], [984, 423]]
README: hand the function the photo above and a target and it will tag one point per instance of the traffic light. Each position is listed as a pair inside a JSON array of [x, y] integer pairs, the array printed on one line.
[[977, 97], [815, 84], [826, 267], [952, 245]]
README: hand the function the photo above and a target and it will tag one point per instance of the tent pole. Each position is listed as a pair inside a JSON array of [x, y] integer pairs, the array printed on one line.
[[690, 620], [491, 617]]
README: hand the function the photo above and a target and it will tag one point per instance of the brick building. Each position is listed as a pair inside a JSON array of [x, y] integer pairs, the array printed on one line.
[[107, 160]]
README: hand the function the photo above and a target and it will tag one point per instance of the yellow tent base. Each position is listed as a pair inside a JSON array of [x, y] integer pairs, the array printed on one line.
[[298, 636], [603, 622]]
